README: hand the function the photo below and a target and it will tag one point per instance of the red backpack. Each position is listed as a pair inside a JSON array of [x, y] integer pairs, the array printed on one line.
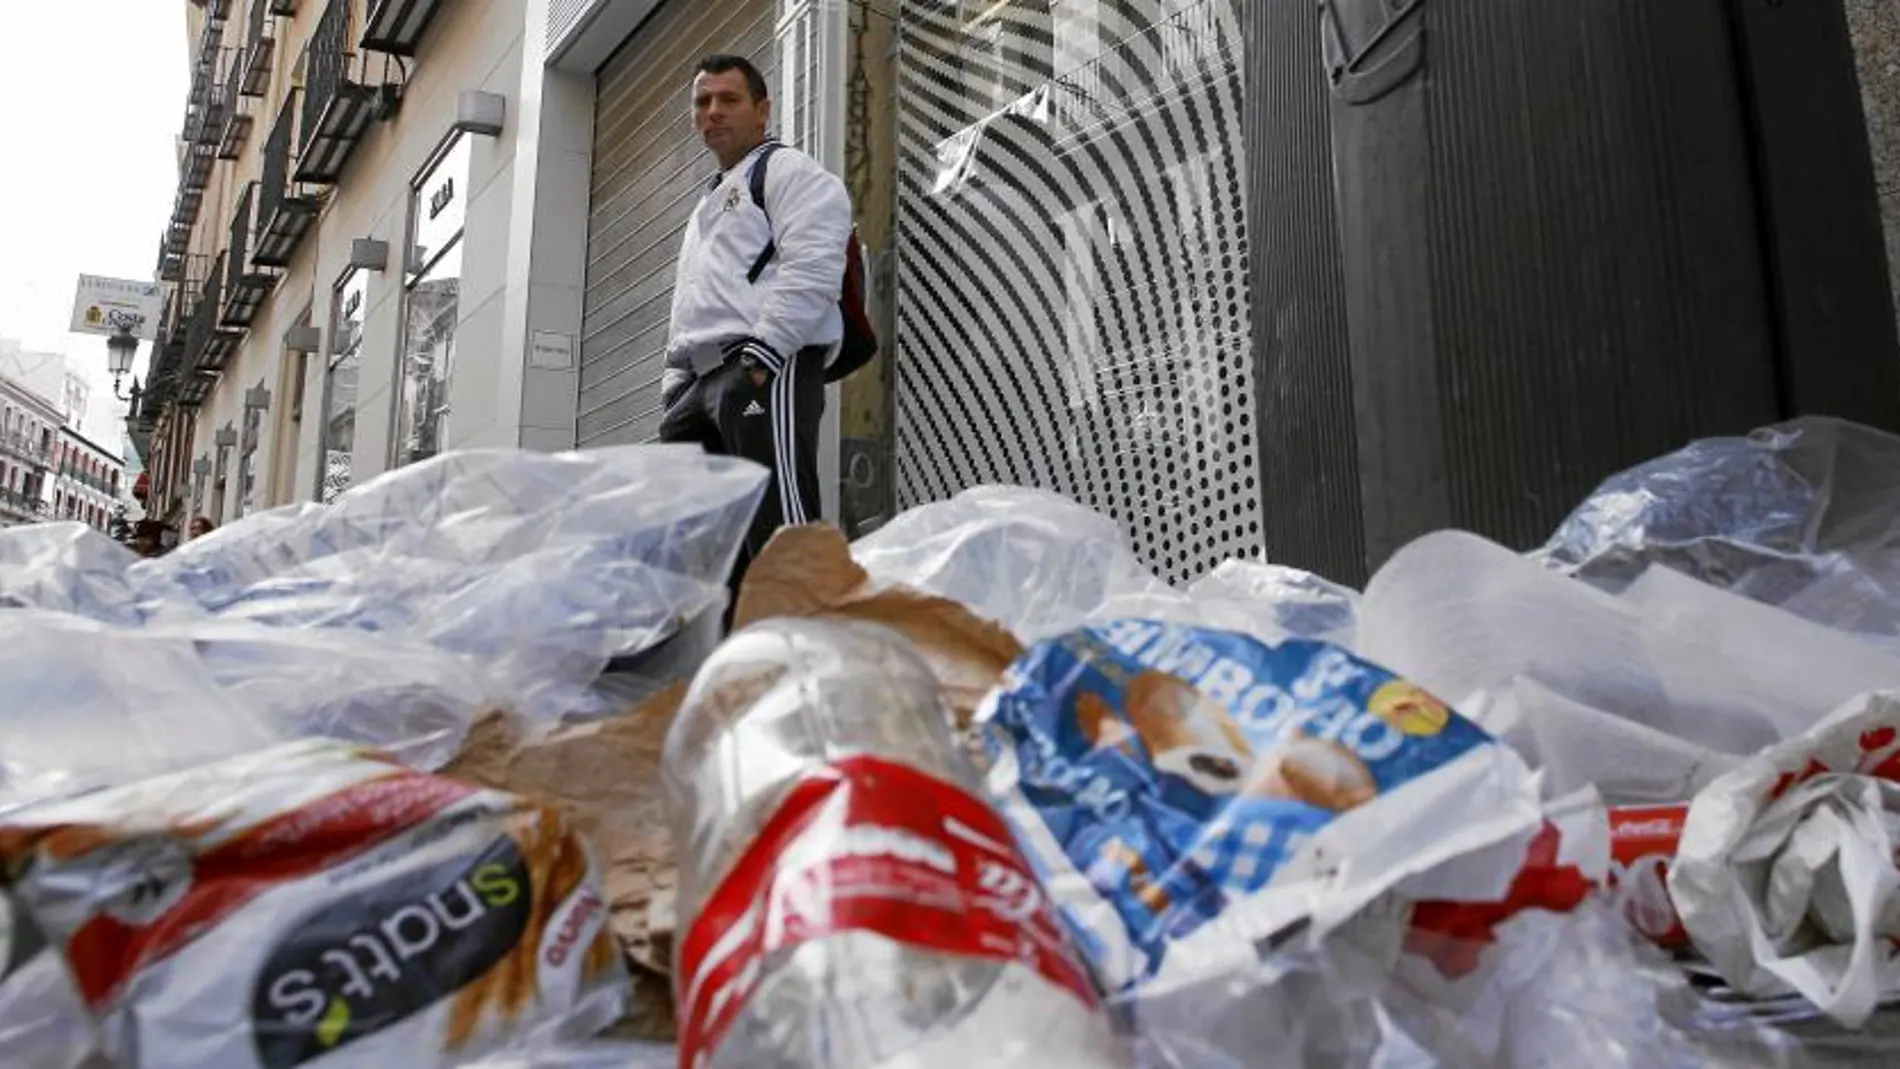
[[860, 338]]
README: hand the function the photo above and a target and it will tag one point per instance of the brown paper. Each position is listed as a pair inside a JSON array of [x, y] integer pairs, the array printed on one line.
[[808, 572], [608, 771]]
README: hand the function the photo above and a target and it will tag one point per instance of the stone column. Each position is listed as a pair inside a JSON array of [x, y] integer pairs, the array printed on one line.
[[1875, 25]]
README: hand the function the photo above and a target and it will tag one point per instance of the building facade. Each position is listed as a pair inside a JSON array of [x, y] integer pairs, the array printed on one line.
[[30, 426], [54, 464], [409, 226]]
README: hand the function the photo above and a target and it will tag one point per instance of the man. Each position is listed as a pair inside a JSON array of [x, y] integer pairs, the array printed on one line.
[[755, 302], [200, 526]]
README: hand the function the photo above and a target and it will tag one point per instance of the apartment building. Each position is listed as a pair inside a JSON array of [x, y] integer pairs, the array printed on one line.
[[1170, 257], [87, 480], [29, 428]]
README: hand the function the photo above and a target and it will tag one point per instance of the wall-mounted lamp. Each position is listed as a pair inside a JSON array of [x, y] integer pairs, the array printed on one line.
[[369, 254], [303, 339], [477, 112]]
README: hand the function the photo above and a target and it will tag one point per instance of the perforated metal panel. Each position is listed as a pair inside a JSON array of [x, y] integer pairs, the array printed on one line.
[[1073, 306], [649, 169]]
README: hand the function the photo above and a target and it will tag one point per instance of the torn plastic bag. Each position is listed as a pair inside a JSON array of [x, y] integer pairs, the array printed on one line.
[[1785, 877], [87, 705], [543, 568], [1804, 515], [1659, 688], [316, 904], [1273, 602]]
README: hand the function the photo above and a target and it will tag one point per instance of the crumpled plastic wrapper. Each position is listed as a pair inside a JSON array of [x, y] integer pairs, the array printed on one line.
[[1786, 878], [1804, 515]]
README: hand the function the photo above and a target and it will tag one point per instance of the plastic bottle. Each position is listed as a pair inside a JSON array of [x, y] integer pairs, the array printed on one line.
[[847, 900]]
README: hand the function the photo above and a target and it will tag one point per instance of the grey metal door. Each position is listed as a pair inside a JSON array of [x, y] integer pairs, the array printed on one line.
[[648, 171]]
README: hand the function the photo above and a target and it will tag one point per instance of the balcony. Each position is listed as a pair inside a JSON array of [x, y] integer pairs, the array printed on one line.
[[194, 171], [194, 387], [245, 288], [337, 109], [396, 26], [284, 214], [237, 112], [208, 343], [260, 49]]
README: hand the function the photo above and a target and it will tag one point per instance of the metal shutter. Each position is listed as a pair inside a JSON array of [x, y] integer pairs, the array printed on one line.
[[649, 170]]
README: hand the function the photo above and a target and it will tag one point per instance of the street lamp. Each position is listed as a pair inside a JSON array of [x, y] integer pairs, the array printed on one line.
[[121, 347]]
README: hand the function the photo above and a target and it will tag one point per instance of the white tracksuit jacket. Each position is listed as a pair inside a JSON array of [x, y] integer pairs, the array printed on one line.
[[794, 304]]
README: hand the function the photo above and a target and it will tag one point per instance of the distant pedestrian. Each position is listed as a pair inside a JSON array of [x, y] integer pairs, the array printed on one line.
[[200, 527], [756, 305]]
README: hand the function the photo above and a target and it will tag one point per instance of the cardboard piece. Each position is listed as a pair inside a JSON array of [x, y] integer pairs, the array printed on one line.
[[607, 772]]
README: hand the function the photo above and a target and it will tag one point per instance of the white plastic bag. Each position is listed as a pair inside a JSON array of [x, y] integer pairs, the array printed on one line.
[[1786, 877], [1658, 688]]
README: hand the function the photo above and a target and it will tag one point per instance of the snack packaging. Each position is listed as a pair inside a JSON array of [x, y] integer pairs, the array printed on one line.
[[1195, 800], [317, 905]]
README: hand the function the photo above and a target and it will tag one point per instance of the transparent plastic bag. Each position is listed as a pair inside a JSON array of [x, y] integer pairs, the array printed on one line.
[[542, 568], [1041, 565], [70, 568], [1032, 560], [1804, 515], [87, 705], [1661, 685]]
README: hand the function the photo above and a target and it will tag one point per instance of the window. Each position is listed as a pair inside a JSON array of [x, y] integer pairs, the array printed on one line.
[[339, 386], [247, 457], [433, 280]]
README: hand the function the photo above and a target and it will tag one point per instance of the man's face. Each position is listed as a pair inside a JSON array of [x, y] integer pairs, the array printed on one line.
[[727, 117]]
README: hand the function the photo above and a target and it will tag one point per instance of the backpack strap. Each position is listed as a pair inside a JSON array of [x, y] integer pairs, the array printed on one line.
[[757, 180]]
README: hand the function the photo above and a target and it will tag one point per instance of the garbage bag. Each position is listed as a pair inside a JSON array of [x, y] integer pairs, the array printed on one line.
[[543, 568], [1804, 515], [87, 705]]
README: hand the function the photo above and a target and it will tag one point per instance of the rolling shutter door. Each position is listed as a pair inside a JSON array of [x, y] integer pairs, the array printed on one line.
[[649, 169]]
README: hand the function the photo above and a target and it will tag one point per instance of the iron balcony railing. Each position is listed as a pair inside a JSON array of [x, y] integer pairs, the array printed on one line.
[[337, 109], [284, 214], [237, 111], [245, 288], [395, 27], [260, 48]]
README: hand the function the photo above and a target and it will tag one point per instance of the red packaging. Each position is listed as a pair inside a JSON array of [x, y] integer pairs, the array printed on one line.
[[1643, 841]]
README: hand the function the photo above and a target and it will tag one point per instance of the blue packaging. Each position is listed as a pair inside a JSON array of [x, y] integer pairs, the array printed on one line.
[[1161, 777]]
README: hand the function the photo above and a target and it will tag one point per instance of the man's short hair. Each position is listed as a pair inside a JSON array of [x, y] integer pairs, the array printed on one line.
[[720, 63]]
